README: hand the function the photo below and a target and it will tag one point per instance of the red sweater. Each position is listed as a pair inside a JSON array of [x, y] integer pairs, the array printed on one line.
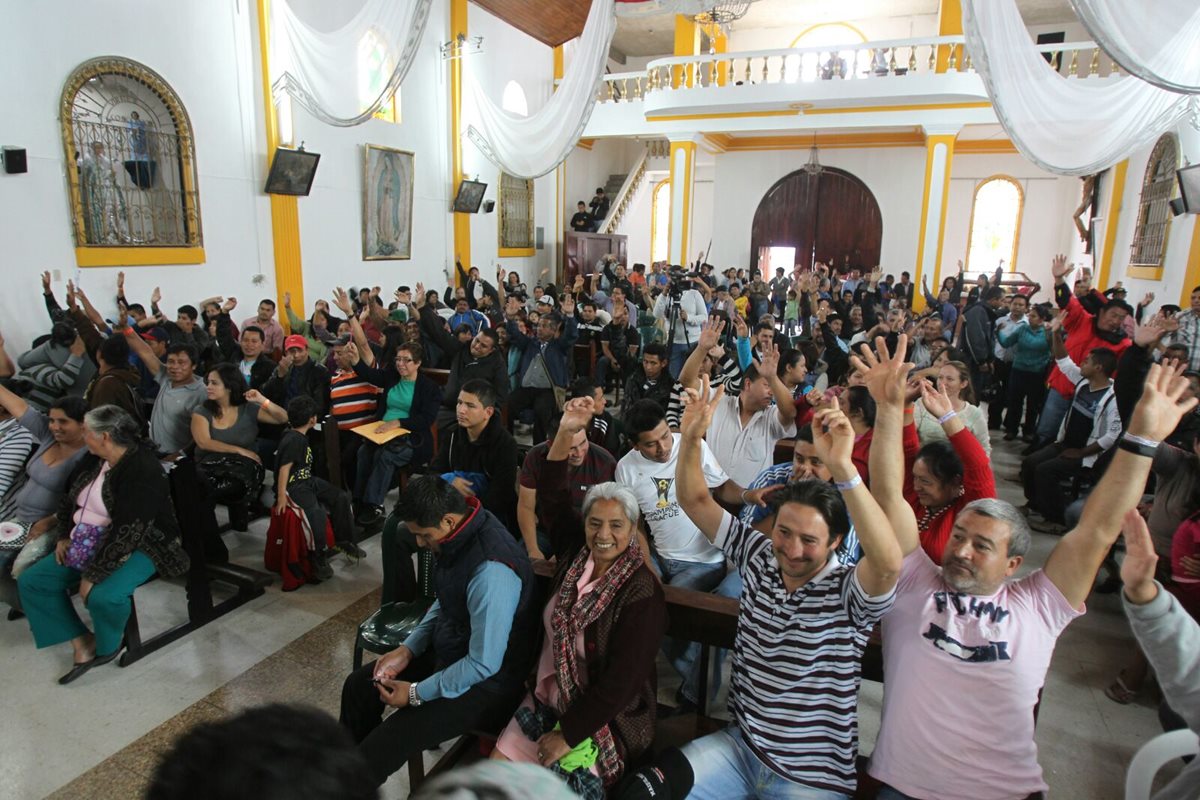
[[978, 482], [1080, 326]]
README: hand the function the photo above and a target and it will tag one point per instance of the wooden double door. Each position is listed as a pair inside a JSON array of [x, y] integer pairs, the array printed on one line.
[[830, 216]]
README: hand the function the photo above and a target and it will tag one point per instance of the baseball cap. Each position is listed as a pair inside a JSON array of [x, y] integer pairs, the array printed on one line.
[[295, 340], [156, 334], [547, 299]]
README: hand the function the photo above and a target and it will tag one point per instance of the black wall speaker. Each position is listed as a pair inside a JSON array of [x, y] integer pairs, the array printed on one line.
[[489, 206], [539, 238], [1177, 207], [14, 160]]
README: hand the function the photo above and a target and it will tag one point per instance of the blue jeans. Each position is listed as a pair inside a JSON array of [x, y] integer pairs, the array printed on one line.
[[1053, 411], [376, 468], [725, 768], [730, 586], [685, 656], [679, 354]]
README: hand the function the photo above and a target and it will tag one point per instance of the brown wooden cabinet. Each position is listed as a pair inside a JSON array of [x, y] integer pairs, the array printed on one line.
[[581, 251]]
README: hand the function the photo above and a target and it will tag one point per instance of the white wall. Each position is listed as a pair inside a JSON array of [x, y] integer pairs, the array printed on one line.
[[1046, 227], [202, 50], [1173, 288], [876, 30]]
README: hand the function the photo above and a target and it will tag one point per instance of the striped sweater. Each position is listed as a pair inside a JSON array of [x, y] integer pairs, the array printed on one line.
[[353, 400], [796, 664]]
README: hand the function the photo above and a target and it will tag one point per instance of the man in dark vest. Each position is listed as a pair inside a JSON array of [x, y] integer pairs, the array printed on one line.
[[463, 668]]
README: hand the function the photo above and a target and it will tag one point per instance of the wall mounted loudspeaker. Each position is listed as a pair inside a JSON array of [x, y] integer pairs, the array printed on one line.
[[539, 238], [1177, 207], [14, 160], [489, 206]]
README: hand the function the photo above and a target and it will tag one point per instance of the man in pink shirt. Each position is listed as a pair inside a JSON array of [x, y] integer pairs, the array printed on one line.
[[272, 330], [965, 649]]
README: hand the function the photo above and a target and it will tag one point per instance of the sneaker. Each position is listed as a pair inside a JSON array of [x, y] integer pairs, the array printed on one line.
[[1008, 437], [320, 565], [369, 516]]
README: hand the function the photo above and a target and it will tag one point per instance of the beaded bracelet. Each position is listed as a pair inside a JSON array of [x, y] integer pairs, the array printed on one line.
[[845, 486], [949, 415]]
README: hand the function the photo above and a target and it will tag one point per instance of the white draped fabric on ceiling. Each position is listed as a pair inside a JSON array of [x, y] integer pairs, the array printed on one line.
[[1159, 42], [1069, 126], [531, 146], [320, 69]]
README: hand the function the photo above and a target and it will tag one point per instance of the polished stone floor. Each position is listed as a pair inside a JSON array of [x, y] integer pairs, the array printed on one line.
[[101, 737]]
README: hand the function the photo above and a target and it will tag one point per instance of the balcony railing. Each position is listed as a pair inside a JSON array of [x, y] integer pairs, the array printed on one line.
[[884, 60]]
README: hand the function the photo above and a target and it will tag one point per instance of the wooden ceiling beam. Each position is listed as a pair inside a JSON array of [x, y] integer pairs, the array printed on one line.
[[551, 22]]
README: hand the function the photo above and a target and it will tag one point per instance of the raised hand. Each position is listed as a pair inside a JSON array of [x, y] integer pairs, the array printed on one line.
[[156, 296], [833, 437], [352, 352], [740, 327], [287, 299], [230, 305], [120, 282], [1150, 332], [936, 401], [1059, 267], [710, 333], [1137, 570], [1147, 300], [577, 414], [1162, 403], [256, 397], [342, 300], [770, 361], [884, 374], [698, 408], [568, 305]]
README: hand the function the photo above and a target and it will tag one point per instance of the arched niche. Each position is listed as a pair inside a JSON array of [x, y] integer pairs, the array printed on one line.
[[827, 216]]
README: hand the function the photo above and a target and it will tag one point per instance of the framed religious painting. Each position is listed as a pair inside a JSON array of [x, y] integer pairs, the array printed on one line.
[[387, 203]]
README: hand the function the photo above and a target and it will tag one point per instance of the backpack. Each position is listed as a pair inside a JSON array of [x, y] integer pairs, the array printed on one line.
[[289, 539]]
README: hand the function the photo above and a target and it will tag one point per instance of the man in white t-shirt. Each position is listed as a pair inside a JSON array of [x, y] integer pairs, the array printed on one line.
[[965, 649], [746, 426], [682, 555]]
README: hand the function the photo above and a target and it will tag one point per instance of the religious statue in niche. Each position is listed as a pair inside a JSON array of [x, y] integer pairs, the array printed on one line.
[[1091, 185], [129, 155], [387, 203]]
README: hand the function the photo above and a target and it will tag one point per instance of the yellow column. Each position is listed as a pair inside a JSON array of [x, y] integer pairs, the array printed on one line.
[[1191, 278], [1110, 224], [560, 183], [683, 174], [949, 24], [939, 150], [462, 221], [285, 212], [687, 43]]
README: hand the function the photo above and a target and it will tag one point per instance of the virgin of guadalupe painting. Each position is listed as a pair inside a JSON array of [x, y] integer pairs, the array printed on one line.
[[387, 203]]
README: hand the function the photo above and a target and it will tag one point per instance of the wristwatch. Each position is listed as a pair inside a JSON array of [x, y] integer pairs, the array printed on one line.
[[414, 699]]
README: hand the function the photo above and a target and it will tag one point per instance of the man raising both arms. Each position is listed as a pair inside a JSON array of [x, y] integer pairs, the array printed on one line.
[[965, 649]]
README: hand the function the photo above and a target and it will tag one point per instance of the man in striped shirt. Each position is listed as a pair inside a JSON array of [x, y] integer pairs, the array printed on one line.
[[353, 401], [802, 626]]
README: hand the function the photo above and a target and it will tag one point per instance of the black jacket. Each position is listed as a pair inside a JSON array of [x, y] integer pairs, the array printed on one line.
[[427, 396], [310, 378], [494, 454]]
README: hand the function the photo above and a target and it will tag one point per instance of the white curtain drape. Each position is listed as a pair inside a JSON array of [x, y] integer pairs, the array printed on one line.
[[529, 147], [322, 70], [1159, 42], [1070, 126]]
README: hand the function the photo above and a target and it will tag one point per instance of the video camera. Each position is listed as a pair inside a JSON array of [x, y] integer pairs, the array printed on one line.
[[680, 280]]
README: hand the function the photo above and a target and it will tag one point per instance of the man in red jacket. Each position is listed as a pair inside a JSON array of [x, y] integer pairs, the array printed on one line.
[[1085, 332]]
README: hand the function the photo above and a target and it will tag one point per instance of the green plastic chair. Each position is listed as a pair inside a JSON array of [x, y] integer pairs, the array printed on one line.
[[387, 628]]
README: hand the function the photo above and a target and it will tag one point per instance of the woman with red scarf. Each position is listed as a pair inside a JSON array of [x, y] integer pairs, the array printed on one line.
[[592, 707]]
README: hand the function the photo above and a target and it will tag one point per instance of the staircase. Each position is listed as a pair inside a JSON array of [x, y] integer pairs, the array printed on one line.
[[615, 182], [622, 195]]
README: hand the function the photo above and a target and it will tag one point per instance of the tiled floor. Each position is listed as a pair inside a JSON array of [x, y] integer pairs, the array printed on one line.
[[102, 736]]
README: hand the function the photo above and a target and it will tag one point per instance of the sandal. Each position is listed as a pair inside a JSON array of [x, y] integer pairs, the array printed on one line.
[[1118, 692]]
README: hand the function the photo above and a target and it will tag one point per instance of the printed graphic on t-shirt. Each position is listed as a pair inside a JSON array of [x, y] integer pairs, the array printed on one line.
[[989, 614], [663, 487]]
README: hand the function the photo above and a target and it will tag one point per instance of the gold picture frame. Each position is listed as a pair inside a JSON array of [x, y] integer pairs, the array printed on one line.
[[387, 206]]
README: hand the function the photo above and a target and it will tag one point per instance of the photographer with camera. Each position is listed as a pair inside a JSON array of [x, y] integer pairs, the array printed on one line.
[[683, 310]]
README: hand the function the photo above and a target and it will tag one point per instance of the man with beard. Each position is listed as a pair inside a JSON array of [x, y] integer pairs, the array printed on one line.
[[965, 648]]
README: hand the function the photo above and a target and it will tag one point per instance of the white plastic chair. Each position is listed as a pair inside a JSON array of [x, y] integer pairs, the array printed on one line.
[[1151, 756]]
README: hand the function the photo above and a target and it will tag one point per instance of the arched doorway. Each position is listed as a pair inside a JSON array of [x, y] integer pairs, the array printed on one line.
[[830, 217]]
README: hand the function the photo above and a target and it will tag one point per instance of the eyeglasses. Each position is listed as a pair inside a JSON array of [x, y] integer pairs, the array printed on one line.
[[405, 360]]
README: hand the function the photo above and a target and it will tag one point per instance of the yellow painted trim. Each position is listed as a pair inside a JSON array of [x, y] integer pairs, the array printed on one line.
[[516, 252], [1191, 277], [908, 107], [827, 141], [1012, 260], [969, 147], [586, 144], [685, 183], [1110, 223], [930, 143], [137, 256], [687, 43], [1145, 273], [658, 187], [949, 24], [717, 142], [730, 115], [285, 210], [862, 36], [462, 221], [558, 63]]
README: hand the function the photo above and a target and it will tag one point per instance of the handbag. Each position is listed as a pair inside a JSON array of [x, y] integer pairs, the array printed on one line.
[[85, 543], [13, 534]]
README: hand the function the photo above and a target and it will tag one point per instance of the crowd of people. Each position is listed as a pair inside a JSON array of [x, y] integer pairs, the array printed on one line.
[[645, 458]]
